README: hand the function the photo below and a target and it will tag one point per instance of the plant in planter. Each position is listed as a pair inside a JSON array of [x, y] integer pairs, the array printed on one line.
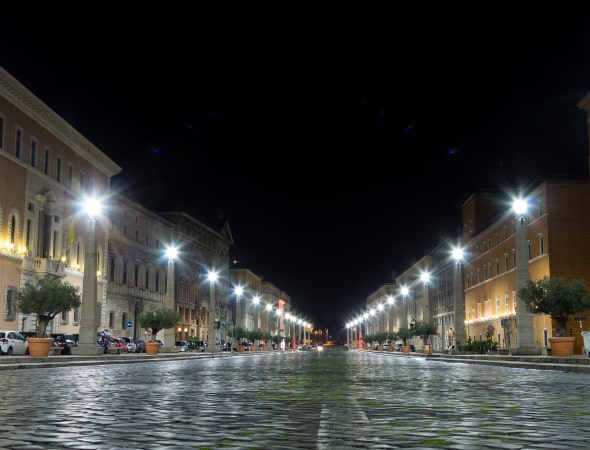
[[405, 333], [157, 318], [426, 330], [46, 298], [555, 297]]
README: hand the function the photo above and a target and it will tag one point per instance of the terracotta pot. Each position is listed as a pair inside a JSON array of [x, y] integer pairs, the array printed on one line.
[[39, 347], [427, 349], [390, 348], [405, 349], [562, 346], [240, 348], [152, 348]]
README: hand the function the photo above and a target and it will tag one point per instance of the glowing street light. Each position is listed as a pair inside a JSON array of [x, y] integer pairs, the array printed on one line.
[[211, 341], [87, 338], [459, 298], [169, 334], [525, 337]]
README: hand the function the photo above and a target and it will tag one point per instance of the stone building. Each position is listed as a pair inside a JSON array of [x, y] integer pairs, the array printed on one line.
[[47, 170]]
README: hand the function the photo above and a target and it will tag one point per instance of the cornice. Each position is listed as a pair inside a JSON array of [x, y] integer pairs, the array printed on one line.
[[38, 111]]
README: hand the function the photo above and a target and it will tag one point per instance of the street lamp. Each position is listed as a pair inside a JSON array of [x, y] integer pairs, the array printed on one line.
[[459, 298], [255, 302], [87, 338], [169, 336], [268, 310], [211, 341], [238, 292], [525, 338]]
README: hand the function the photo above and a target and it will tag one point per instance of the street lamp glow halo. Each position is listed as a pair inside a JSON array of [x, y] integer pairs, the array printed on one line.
[[212, 276], [171, 253], [93, 207], [520, 207]]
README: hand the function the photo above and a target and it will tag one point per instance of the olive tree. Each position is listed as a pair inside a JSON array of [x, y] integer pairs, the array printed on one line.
[[47, 297], [555, 297]]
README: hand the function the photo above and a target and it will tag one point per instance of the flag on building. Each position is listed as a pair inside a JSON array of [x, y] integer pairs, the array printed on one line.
[[71, 233]]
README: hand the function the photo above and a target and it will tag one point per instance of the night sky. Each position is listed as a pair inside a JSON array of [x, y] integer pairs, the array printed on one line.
[[338, 148]]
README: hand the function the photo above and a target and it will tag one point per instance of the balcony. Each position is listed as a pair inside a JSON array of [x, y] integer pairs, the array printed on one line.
[[43, 266]]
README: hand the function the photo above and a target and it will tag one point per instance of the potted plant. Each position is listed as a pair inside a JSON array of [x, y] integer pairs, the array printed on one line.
[[240, 333], [255, 335], [405, 333], [426, 330], [157, 319], [266, 336], [46, 298], [558, 299]]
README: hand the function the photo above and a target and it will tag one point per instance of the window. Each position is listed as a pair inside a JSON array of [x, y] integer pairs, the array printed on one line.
[[1, 132], [111, 319], [10, 305], [33, 153], [541, 244], [76, 315], [124, 320], [506, 303], [18, 143], [497, 267], [513, 258], [58, 169], [82, 187], [46, 163], [505, 262], [70, 177], [497, 305], [65, 317], [529, 248]]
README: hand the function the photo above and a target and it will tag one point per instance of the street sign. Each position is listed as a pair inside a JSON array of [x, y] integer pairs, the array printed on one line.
[[129, 324]]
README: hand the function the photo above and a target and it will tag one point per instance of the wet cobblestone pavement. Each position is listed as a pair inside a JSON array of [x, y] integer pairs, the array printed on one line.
[[294, 400]]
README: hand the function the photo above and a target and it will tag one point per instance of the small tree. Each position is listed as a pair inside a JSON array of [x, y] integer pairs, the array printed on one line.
[[158, 318], [240, 333], [47, 297], [426, 330], [553, 296], [404, 333]]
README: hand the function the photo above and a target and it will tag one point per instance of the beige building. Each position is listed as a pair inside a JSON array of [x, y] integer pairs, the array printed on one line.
[[47, 169]]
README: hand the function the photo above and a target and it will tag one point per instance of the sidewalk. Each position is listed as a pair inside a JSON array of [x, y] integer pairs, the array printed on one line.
[[576, 363]]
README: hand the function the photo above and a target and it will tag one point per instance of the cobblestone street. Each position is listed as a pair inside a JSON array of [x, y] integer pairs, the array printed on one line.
[[294, 400]]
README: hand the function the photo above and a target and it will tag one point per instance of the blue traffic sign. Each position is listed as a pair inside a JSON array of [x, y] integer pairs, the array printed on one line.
[[129, 324]]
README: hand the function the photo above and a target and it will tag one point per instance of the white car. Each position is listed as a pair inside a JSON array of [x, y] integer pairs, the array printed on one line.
[[13, 343]]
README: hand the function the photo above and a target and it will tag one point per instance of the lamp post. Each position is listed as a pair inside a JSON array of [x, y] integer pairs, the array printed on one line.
[[390, 302], [255, 319], [238, 292], [87, 338], [169, 336], [459, 298], [211, 341], [525, 337]]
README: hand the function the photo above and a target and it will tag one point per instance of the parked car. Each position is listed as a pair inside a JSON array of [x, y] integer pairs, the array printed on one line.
[[139, 346], [182, 346], [66, 342], [130, 343], [159, 341], [398, 347], [118, 343], [13, 343]]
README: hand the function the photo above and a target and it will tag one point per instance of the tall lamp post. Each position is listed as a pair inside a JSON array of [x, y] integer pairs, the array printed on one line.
[[459, 298], [211, 341], [169, 335], [525, 337], [87, 338]]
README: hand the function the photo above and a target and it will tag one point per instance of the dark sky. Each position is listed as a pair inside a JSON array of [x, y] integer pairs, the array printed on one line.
[[338, 145]]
